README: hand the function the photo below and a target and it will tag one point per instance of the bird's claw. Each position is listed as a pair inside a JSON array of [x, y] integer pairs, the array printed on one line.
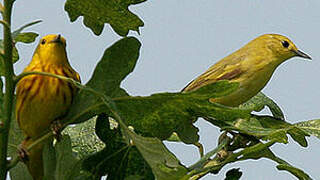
[[23, 153], [56, 127]]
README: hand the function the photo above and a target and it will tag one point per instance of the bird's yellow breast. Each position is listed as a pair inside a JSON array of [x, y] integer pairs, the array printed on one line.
[[42, 99]]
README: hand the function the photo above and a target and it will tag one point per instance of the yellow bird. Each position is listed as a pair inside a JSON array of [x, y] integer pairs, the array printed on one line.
[[41, 100], [251, 66]]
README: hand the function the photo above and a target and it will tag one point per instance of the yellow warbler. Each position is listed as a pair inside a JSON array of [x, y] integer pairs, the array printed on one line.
[[42, 99], [251, 66]]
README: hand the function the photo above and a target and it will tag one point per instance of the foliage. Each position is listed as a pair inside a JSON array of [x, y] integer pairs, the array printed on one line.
[[98, 12], [121, 136], [18, 36]]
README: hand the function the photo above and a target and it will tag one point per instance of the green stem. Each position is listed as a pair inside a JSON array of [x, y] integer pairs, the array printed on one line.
[[216, 164], [22, 75], [207, 156], [9, 87]]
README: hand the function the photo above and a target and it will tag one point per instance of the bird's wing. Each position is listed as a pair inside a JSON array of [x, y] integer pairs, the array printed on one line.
[[226, 69]]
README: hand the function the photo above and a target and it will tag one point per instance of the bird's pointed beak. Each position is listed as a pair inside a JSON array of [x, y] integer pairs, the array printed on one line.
[[302, 54], [57, 39]]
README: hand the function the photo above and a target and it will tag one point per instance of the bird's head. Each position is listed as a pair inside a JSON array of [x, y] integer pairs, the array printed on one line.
[[279, 46], [52, 48]]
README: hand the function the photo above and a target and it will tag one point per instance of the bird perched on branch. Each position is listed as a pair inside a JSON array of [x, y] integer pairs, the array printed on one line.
[[41, 100], [251, 66]]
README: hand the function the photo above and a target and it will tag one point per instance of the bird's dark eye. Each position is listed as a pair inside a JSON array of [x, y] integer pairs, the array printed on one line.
[[285, 44], [43, 41]]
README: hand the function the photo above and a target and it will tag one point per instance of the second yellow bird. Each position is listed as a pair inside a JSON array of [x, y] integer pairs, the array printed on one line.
[[41, 99], [251, 66]]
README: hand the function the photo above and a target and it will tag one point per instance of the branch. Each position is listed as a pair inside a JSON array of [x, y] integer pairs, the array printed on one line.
[[207, 156], [224, 157], [24, 74], [4, 23], [9, 87]]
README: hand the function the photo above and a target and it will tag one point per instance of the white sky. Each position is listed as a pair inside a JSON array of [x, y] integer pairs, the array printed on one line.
[[181, 39]]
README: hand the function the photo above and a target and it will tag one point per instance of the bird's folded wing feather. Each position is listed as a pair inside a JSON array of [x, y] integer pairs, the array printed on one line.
[[217, 72]]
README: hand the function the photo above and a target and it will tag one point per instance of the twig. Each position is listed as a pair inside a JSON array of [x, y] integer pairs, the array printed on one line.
[[207, 156], [9, 87]]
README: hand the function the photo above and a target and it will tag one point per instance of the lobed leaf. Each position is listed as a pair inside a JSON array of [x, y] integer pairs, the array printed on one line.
[[98, 12], [312, 127], [117, 160], [159, 115], [61, 163], [15, 56], [266, 128], [258, 102], [117, 62], [295, 171], [164, 164]]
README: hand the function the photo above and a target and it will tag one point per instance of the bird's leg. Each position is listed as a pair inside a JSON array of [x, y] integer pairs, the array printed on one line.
[[56, 128], [22, 151]]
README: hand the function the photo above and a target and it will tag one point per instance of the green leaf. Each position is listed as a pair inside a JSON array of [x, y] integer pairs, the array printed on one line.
[[98, 12], [164, 165], [258, 102], [137, 165], [66, 161], [117, 62], [233, 174], [295, 171], [262, 150], [65, 165], [18, 31], [27, 37], [117, 159], [134, 177], [49, 159], [267, 128], [15, 56], [159, 115], [20, 171], [312, 127]]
